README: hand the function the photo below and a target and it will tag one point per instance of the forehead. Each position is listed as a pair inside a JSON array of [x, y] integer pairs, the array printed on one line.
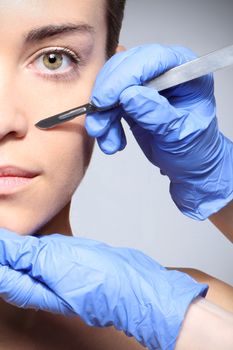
[[17, 15]]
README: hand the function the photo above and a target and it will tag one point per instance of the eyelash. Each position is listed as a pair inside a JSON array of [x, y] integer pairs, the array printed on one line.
[[75, 59]]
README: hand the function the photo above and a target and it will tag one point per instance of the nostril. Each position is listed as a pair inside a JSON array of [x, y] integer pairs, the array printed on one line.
[[13, 127]]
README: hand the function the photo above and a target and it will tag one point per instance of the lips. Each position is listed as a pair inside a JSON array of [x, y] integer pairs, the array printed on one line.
[[13, 171], [15, 180]]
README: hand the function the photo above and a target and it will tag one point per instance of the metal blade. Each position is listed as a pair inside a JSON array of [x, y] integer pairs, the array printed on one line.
[[60, 118]]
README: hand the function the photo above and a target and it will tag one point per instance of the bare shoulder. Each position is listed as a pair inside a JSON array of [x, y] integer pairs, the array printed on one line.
[[220, 293]]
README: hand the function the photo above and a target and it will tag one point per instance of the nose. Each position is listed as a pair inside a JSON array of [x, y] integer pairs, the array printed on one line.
[[13, 121]]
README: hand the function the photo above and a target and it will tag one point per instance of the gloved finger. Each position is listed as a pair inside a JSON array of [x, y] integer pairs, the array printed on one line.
[[98, 123], [48, 260], [71, 241], [135, 67], [18, 252], [149, 110], [109, 131], [20, 289], [31, 255], [114, 139]]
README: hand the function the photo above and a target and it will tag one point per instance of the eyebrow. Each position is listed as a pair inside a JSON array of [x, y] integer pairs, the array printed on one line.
[[45, 32]]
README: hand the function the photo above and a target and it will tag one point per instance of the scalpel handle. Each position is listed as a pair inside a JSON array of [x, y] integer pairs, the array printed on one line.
[[194, 69]]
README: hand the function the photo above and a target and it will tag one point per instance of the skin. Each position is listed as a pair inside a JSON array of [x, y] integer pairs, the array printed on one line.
[[223, 220], [60, 155], [68, 144]]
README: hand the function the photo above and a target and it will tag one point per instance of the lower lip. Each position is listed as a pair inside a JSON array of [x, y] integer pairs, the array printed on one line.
[[8, 184]]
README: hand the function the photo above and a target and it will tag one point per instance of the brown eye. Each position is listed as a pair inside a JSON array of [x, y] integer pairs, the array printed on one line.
[[52, 60]]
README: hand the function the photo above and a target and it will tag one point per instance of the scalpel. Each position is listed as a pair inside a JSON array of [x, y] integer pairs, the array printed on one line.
[[190, 70]]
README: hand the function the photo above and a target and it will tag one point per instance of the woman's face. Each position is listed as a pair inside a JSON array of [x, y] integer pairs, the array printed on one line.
[[41, 74]]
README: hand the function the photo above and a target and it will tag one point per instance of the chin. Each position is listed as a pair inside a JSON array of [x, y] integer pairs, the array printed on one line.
[[29, 218], [21, 227]]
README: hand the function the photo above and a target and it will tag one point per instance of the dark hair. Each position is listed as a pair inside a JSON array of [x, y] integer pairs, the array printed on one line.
[[115, 14]]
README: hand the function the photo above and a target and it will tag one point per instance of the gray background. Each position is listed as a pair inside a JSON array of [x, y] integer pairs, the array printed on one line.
[[123, 199]]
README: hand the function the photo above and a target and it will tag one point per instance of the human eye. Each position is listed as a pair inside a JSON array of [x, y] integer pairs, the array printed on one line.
[[58, 63]]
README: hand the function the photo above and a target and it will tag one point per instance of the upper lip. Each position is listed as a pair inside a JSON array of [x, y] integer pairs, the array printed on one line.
[[10, 170]]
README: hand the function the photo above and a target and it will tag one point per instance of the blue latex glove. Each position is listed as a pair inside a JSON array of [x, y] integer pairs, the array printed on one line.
[[101, 284], [176, 129]]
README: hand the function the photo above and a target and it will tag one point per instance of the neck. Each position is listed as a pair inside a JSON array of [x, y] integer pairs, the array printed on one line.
[[58, 224]]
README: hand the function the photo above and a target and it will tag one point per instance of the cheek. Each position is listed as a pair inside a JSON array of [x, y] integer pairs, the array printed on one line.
[[62, 156], [67, 161], [71, 155]]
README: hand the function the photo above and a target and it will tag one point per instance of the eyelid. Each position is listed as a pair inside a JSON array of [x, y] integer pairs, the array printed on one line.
[[74, 57], [63, 49]]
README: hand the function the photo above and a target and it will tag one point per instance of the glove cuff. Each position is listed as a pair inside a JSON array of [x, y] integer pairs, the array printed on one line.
[[166, 320], [206, 195]]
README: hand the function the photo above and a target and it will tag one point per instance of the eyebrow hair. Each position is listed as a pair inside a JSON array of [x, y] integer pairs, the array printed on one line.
[[41, 33]]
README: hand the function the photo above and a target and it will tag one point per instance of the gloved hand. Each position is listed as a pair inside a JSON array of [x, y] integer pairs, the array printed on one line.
[[176, 129], [102, 284]]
